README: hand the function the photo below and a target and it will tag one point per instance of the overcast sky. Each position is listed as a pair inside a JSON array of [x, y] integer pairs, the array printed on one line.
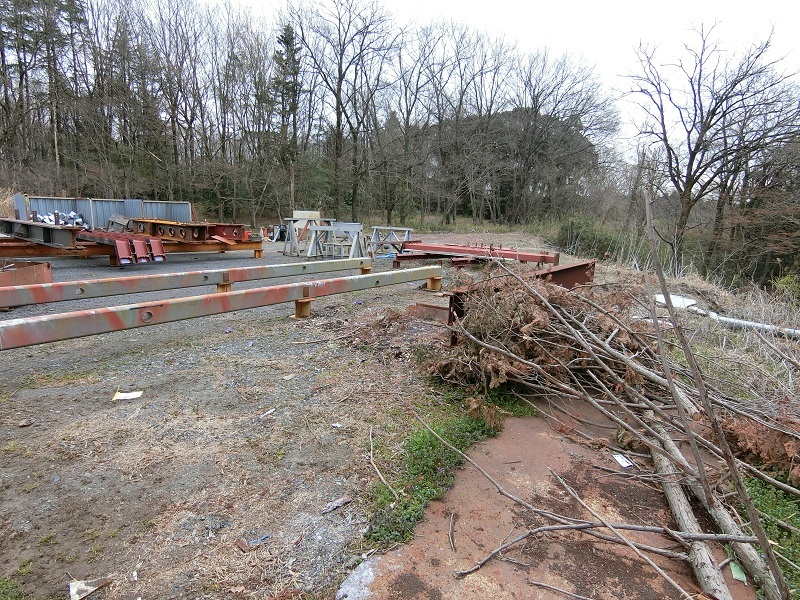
[[606, 34]]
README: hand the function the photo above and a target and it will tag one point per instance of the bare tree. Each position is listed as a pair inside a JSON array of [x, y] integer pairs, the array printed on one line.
[[346, 41], [711, 112]]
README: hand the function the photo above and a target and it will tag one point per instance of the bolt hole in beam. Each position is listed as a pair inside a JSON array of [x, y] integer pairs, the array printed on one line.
[[29, 331]]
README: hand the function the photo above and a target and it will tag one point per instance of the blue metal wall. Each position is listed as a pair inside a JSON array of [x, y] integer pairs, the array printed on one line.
[[97, 212]]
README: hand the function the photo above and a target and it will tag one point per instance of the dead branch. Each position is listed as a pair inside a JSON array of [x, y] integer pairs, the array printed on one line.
[[378, 471], [703, 564], [778, 584], [624, 539]]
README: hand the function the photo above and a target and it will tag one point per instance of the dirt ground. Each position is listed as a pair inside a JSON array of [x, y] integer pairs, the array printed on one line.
[[212, 484], [473, 519]]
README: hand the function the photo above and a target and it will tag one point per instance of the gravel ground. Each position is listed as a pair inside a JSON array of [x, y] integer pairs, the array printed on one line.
[[250, 423]]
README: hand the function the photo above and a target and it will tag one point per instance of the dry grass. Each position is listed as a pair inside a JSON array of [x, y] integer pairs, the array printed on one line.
[[6, 203]]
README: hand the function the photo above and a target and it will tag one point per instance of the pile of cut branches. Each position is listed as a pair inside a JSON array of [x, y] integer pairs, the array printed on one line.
[[537, 339]]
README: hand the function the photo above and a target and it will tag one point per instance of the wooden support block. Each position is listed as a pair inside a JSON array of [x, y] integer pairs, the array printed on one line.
[[302, 308], [258, 253], [435, 284], [223, 288], [366, 270]]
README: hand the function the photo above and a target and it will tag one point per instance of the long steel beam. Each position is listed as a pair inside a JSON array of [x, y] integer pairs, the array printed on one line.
[[17, 333], [59, 236], [21, 295], [481, 251]]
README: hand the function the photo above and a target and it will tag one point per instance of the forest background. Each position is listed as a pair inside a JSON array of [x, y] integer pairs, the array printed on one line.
[[335, 106]]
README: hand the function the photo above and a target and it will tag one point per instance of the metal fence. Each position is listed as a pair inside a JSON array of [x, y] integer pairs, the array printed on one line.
[[96, 212]]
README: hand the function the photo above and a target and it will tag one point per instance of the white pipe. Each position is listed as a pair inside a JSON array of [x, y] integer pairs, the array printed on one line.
[[691, 304], [741, 324]]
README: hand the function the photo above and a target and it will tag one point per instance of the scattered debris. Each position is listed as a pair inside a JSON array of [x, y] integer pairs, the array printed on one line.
[[258, 541], [83, 589], [338, 503], [587, 347], [246, 546], [127, 395], [623, 461]]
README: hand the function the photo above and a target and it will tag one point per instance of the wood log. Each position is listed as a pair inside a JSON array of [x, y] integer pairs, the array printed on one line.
[[705, 570]]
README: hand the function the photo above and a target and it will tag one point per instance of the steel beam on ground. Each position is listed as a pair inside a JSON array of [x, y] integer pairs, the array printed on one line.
[[59, 236], [17, 333], [21, 295], [16, 248], [482, 251]]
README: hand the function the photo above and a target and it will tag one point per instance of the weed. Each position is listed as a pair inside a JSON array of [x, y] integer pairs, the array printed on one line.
[[426, 475], [12, 446], [112, 533], [25, 566], [91, 534], [10, 590], [47, 540], [780, 506], [67, 557], [510, 404], [95, 551], [29, 487]]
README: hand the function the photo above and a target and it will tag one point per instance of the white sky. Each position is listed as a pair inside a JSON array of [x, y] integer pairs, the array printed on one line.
[[606, 34]]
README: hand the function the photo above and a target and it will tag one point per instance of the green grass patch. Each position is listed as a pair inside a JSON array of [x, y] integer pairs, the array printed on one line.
[[427, 473], [511, 405], [780, 506], [10, 590]]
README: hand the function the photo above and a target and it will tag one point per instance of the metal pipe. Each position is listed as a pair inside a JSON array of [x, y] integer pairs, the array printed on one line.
[[21, 295], [742, 324], [690, 304], [17, 333]]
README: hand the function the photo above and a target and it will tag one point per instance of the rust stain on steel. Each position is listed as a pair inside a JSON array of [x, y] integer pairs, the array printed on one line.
[[17, 247], [25, 273], [20, 295], [482, 251], [16, 333]]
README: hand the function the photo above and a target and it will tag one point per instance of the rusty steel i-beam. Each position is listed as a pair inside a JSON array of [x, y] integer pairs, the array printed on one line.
[[17, 333], [481, 252], [21, 295]]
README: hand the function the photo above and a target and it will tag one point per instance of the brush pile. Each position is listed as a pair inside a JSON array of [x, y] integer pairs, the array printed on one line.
[[540, 341]]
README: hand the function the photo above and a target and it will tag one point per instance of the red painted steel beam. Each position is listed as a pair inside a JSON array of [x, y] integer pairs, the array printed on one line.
[[12, 248], [568, 276], [25, 273], [21, 295], [17, 333], [15, 248], [482, 251]]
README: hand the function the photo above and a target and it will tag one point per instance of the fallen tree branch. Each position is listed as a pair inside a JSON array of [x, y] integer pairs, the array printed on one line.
[[378, 471], [624, 539]]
